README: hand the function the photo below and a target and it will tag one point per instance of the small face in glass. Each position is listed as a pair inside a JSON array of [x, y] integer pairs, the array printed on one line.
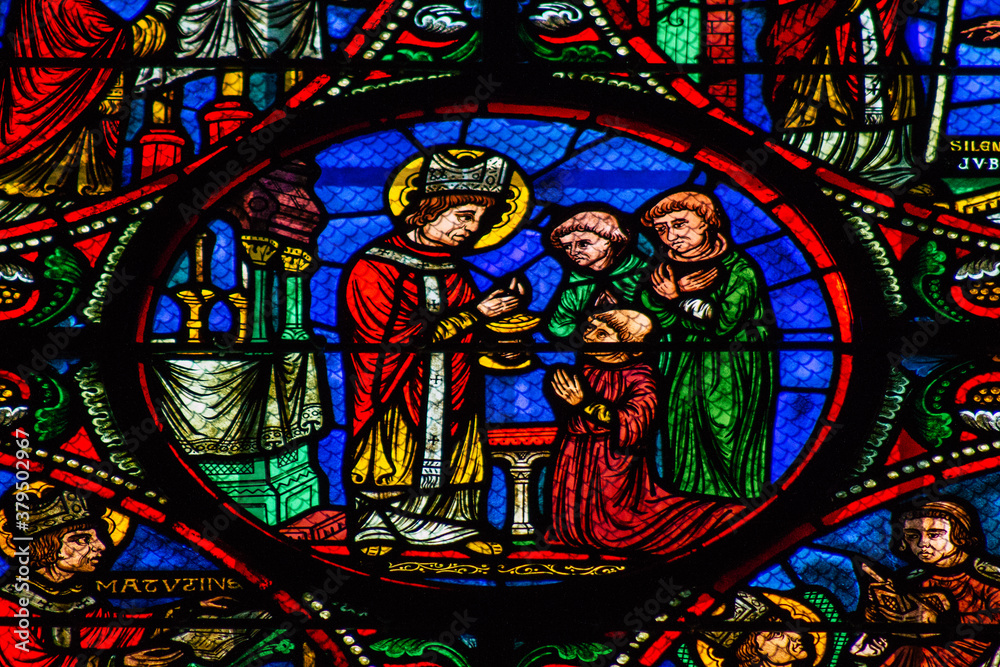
[[782, 648], [599, 332], [682, 231], [453, 227], [587, 249], [930, 540], [80, 551]]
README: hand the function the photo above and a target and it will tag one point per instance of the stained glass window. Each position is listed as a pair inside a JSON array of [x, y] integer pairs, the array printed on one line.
[[539, 333]]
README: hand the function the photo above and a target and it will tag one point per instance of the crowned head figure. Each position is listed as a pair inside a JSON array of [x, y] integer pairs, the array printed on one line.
[[460, 195], [764, 635], [67, 533]]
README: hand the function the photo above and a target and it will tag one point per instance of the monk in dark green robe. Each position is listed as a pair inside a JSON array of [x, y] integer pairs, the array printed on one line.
[[717, 409]]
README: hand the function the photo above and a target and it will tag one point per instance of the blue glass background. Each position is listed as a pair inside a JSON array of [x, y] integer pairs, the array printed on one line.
[[616, 170], [595, 167]]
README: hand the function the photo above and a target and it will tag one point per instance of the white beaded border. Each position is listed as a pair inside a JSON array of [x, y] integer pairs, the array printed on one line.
[[81, 229], [922, 465], [352, 644], [89, 469], [908, 222]]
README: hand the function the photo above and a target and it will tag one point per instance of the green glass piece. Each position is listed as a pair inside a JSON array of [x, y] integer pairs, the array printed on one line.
[[262, 297], [294, 309], [52, 419], [397, 648], [928, 279], [273, 488], [718, 405], [678, 32], [66, 269], [584, 53]]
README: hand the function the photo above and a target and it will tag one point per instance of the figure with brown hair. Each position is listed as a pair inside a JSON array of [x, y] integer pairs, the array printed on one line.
[[604, 495], [414, 468], [605, 269], [948, 584], [66, 541], [717, 405]]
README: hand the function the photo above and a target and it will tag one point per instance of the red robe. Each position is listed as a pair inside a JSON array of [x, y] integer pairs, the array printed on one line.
[[41, 647], [52, 139], [603, 495], [386, 302], [801, 32], [973, 591], [414, 396]]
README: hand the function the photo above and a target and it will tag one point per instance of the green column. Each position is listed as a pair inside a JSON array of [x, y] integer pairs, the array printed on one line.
[[261, 301], [296, 263]]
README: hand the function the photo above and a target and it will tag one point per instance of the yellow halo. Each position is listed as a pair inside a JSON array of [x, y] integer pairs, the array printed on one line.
[[404, 184], [802, 612], [799, 611], [117, 523], [708, 655]]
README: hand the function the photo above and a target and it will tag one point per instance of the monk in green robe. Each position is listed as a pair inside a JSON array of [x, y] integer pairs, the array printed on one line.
[[718, 399], [604, 269]]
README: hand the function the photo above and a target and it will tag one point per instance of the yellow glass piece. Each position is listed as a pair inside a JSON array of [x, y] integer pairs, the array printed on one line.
[[195, 301], [259, 249], [232, 84], [149, 35], [296, 260], [241, 303], [493, 362], [519, 323], [599, 412], [293, 77]]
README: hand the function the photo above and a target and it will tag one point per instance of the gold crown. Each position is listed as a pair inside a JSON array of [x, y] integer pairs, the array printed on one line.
[[746, 608], [65, 508]]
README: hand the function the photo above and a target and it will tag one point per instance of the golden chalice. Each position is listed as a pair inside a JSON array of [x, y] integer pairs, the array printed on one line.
[[514, 333]]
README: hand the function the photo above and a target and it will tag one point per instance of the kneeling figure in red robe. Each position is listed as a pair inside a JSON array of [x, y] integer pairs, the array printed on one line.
[[604, 495]]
